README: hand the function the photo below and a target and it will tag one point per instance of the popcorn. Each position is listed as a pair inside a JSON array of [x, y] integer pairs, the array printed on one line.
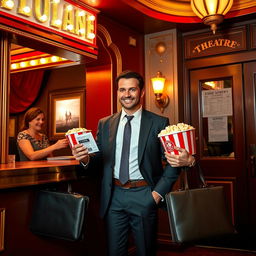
[[82, 136], [180, 135], [175, 128], [74, 130]]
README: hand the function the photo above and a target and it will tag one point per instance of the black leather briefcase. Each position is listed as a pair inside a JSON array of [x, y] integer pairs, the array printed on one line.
[[198, 214], [59, 215]]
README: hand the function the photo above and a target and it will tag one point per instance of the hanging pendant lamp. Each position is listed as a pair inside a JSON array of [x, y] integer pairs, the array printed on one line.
[[211, 11]]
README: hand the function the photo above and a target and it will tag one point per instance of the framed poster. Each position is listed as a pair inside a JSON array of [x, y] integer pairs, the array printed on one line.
[[66, 111]]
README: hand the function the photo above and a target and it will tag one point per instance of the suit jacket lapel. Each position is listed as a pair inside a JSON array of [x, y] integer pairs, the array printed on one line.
[[145, 126], [113, 125]]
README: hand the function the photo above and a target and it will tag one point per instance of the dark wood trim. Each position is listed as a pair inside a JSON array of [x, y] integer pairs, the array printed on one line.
[[221, 60]]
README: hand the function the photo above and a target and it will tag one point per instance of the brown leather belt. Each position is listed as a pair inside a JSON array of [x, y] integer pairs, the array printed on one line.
[[131, 183]]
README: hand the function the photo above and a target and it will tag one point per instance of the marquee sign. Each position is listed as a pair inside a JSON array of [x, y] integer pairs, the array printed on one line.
[[61, 17]]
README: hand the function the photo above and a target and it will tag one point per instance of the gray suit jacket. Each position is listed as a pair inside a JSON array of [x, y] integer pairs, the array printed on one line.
[[150, 155]]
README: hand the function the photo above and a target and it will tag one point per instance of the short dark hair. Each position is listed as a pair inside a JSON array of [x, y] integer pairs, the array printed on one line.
[[31, 114], [131, 74]]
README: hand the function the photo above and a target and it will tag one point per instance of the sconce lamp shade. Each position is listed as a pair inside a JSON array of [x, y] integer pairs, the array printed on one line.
[[211, 11], [158, 83], [161, 99]]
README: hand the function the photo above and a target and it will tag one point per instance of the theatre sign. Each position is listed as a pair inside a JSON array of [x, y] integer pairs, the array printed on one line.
[[67, 19]]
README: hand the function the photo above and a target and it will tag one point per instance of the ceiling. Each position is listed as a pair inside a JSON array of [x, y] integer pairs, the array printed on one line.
[[148, 16]]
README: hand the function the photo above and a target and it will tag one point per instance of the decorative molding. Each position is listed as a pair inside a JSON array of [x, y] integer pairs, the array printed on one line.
[[183, 7], [116, 60], [206, 44], [4, 95], [2, 226], [164, 60]]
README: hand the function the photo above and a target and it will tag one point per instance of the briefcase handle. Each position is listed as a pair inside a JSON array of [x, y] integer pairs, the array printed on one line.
[[184, 177]]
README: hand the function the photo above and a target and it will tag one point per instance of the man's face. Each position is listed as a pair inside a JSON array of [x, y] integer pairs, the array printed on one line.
[[129, 94]]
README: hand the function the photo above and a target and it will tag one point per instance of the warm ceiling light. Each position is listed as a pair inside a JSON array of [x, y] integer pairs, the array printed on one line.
[[14, 66], [211, 11], [43, 60], [33, 62], [161, 99], [54, 58], [23, 64]]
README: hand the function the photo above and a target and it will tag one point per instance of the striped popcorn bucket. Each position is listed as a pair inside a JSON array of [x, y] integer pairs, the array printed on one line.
[[183, 139]]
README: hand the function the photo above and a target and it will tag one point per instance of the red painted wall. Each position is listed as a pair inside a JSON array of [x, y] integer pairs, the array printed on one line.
[[98, 95]]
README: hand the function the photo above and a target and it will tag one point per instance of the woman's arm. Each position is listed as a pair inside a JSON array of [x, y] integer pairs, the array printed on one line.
[[29, 152]]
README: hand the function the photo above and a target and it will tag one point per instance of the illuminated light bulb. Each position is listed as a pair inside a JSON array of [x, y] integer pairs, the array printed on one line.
[[56, 1], [8, 4], [81, 13], [69, 7], [43, 18], [33, 62], [91, 18], [54, 58], [70, 27], [82, 31], [23, 64], [91, 35], [26, 9], [14, 66], [63, 59], [57, 22], [43, 61]]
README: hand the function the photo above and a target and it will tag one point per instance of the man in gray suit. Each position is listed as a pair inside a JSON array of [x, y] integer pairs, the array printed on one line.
[[131, 192]]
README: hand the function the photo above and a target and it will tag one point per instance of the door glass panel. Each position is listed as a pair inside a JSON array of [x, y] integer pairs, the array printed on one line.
[[217, 118]]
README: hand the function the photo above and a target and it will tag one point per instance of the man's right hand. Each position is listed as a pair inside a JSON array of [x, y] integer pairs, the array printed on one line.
[[80, 152]]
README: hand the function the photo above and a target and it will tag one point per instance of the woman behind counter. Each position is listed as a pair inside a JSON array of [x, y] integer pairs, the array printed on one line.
[[32, 144]]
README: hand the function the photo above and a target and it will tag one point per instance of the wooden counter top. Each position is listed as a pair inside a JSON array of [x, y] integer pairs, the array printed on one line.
[[29, 173], [37, 164]]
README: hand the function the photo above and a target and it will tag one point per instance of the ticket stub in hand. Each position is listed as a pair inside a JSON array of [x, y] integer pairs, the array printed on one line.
[[84, 138]]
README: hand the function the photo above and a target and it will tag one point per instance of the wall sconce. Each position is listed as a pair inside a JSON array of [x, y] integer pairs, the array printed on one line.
[[211, 11], [161, 99]]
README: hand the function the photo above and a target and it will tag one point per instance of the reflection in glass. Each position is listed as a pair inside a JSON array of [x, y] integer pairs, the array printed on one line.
[[217, 118]]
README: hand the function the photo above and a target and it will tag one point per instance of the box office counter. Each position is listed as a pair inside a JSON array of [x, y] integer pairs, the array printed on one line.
[[19, 184], [27, 173]]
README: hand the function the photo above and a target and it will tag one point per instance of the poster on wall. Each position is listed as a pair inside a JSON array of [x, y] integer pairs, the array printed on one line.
[[218, 129], [217, 102], [66, 111]]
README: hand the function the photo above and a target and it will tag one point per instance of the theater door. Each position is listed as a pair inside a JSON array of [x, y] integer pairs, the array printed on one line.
[[223, 113]]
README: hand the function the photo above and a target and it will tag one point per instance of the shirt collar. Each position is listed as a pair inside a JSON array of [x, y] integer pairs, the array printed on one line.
[[136, 115]]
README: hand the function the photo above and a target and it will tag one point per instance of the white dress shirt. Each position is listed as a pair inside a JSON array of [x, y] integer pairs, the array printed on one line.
[[134, 172]]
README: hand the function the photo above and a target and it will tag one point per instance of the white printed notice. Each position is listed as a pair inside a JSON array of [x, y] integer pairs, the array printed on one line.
[[218, 129], [217, 102], [84, 138]]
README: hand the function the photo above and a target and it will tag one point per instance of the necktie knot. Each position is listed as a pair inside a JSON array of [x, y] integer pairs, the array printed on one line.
[[129, 118]]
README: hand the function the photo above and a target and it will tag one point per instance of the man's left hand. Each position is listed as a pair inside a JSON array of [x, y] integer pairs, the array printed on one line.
[[183, 159]]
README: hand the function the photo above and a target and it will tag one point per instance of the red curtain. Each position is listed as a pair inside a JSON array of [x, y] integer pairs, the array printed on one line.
[[25, 87]]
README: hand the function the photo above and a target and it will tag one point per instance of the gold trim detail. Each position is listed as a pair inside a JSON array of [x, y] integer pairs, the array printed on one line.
[[4, 95], [2, 224], [113, 47], [183, 7]]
